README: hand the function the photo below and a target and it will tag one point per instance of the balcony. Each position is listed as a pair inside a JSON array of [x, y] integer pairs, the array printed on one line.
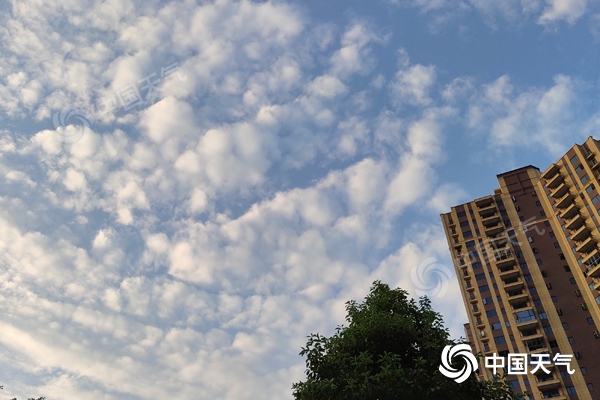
[[592, 258], [487, 211], [565, 201], [484, 202], [504, 258], [509, 272], [551, 171], [592, 262], [580, 233], [586, 245], [491, 220], [527, 324], [575, 222], [555, 181], [587, 153], [560, 190], [493, 230], [535, 345], [546, 384], [513, 283], [516, 296], [596, 282], [570, 211]]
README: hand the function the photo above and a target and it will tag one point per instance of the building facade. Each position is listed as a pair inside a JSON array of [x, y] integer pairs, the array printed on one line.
[[527, 259]]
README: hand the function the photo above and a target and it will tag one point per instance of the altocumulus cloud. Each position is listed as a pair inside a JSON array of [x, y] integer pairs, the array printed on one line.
[[187, 247]]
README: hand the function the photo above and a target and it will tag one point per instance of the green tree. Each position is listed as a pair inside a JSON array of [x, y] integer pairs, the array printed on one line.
[[391, 349], [31, 398]]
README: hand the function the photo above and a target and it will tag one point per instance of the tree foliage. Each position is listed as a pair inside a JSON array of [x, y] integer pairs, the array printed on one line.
[[391, 349]]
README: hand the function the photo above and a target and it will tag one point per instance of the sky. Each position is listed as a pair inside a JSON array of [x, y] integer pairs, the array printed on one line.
[[190, 188]]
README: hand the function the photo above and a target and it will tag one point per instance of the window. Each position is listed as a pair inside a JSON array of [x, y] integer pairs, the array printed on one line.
[[479, 277], [556, 245], [499, 339], [583, 371], [476, 265], [596, 198], [551, 233], [579, 168], [523, 316], [470, 243], [542, 315], [461, 214], [539, 262], [554, 298], [571, 390], [496, 326], [567, 269], [565, 326], [542, 213], [529, 239], [585, 178], [535, 250], [590, 188], [548, 329], [590, 321], [574, 159], [564, 374], [546, 223], [538, 303], [590, 387], [527, 278], [572, 280], [537, 203], [484, 288], [532, 290], [571, 340], [491, 313], [464, 223], [468, 234], [554, 344], [561, 256]]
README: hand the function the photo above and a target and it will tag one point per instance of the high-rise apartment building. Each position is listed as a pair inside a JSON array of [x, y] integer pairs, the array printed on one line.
[[528, 263]]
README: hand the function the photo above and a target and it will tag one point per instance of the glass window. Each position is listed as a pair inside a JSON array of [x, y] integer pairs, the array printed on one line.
[[464, 223], [470, 243], [579, 168], [571, 390], [543, 315], [491, 313], [461, 214], [590, 320], [476, 265], [572, 280], [479, 277], [484, 288], [571, 340], [468, 234], [565, 326], [488, 300], [496, 326], [554, 299], [574, 159], [590, 188], [585, 178], [499, 339]]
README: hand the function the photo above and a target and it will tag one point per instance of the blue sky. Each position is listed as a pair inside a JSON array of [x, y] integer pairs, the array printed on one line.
[[189, 189]]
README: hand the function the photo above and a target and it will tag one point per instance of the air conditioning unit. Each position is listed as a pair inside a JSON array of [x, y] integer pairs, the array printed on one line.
[[597, 334]]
